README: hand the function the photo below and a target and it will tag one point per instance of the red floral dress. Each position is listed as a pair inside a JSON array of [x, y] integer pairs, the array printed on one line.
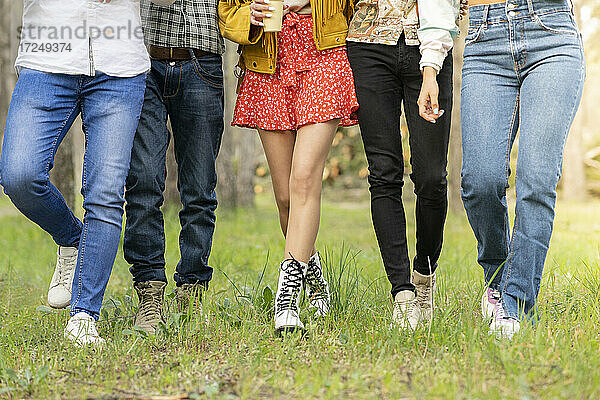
[[309, 86]]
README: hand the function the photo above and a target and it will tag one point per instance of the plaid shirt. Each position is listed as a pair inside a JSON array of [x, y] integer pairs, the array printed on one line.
[[187, 23]]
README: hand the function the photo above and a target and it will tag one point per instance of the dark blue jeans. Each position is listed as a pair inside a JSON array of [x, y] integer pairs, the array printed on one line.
[[43, 108], [190, 94]]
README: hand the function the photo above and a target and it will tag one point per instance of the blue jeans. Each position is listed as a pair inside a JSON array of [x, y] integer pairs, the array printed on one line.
[[43, 108], [523, 71], [190, 94]]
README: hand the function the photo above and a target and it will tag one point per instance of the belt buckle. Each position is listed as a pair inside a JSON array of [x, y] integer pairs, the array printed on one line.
[[170, 53]]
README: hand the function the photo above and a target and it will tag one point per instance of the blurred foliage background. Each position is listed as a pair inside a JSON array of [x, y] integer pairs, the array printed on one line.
[[243, 171]]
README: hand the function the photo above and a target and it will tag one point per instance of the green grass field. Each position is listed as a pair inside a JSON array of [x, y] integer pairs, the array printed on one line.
[[352, 354]]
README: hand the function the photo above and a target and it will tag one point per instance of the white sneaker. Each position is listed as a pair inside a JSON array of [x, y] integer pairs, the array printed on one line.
[[407, 314], [81, 330], [503, 327], [425, 285], [59, 294], [291, 275], [490, 301], [317, 287]]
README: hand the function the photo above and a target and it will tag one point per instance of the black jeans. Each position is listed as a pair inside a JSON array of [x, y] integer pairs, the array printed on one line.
[[387, 77], [190, 94]]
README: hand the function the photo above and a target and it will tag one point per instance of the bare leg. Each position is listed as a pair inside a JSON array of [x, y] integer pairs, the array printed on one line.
[[279, 150], [311, 149]]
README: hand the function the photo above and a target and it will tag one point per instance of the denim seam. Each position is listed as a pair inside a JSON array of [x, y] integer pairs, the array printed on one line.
[[524, 38], [576, 106], [82, 240], [552, 30], [512, 50], [550, 12], [197, 68], [509, 252], [178, 83], [477, 35], [492, 22], [80, 264]]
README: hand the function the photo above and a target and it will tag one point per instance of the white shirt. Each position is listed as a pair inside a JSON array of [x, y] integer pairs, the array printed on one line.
[[80, 37], [437, 30]]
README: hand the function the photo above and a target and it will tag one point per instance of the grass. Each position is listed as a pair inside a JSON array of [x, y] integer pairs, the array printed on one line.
[[352, 354]]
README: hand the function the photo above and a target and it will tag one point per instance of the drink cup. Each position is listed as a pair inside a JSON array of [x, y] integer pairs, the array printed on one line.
[[275, 22]]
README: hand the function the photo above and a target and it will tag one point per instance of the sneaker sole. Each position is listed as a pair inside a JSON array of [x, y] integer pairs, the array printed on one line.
[[59, 306], [289, 330]]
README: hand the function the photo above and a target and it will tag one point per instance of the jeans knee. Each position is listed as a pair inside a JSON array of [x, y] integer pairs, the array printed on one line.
[[378, 184], [110, 212], [144, 182], [104, 201], [482, 188], [431, 186], [20, 182]]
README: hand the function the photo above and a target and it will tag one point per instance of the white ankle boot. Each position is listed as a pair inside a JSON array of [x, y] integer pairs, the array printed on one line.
[[317, 287], [287, 299]]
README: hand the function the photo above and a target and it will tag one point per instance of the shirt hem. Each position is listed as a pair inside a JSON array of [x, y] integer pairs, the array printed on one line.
[[85, 72]]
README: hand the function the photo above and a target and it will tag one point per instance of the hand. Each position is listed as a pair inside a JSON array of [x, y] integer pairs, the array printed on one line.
[[429, 107], [260, 9]]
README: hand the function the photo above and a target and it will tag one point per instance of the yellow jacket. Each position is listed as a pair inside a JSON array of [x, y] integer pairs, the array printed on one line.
[[259, 49]]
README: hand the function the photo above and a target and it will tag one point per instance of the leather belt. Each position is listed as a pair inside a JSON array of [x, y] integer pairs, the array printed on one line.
[[175, 53]]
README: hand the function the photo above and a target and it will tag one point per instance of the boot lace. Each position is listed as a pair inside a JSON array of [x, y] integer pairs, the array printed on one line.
[[315, 282], [150, 303], [424, 295], [425, 292], [291, 285]]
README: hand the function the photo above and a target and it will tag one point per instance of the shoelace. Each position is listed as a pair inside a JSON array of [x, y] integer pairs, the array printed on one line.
[[316, 282], [86, 326], [495, 294], [292, 283], [65, 267], [189, 292], [411, 306], [500, 313], [424, 295], [149, 304]]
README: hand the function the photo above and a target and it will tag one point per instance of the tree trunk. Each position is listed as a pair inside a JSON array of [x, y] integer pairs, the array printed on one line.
[[573, 180], [63, 173], [455, 151], [10, 17], [235, 164]]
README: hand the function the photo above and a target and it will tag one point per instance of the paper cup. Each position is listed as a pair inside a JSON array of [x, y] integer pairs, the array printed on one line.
[[274, 24]]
